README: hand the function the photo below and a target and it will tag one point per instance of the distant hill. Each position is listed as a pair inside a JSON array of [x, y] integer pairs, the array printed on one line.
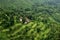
[[26, 3]]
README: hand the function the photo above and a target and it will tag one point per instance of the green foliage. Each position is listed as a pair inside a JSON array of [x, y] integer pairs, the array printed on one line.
[[44, 21]]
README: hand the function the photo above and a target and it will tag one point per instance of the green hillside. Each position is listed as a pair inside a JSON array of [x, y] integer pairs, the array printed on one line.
[[29, 20]]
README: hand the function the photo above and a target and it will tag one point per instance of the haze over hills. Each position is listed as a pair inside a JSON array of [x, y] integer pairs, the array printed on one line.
[[26, 3]]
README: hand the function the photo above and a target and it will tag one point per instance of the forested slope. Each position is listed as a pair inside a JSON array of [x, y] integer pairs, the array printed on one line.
[[39, 21]]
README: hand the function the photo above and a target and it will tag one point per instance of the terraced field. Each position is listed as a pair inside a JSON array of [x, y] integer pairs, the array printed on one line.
[[32, 30]]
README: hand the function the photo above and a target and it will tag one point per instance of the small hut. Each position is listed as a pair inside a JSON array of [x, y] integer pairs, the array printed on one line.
[[26, 20]]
